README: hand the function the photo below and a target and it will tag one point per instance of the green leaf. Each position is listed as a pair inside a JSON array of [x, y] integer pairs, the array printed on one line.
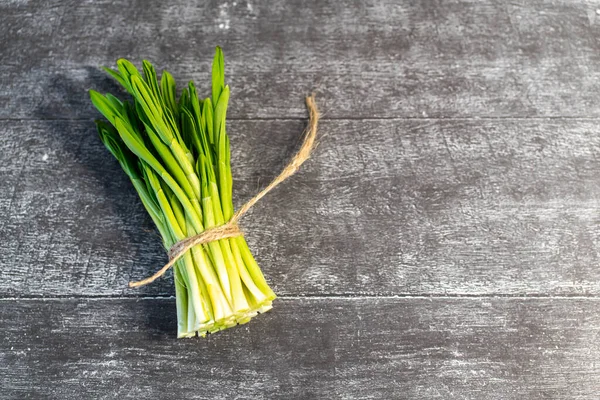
[[218, 74], [201, 167], [189, 130], [177, 210], [104, 105], [220, 115], [184, 98], [143, 94], [171, 123], [170, 162], [194, 102], [127, 70], [151, 79], [152, 109], [131, 117], [117, 77], [207, 115], [169, 91], [152, 178], [118, 104], [225, 179], [109, 136]]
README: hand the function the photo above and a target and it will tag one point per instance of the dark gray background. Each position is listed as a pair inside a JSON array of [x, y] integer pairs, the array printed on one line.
[[442, 243]]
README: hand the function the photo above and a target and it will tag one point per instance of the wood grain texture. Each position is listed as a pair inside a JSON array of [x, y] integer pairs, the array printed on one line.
[[306, 349], [442, 244], [459, 207], [366, 59]]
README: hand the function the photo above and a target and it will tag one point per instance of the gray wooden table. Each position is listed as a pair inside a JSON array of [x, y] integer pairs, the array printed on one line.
[[443, 242]]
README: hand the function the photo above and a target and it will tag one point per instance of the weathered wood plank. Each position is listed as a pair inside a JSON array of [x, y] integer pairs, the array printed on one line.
[[373, 59], [412, 348], [384, 207]]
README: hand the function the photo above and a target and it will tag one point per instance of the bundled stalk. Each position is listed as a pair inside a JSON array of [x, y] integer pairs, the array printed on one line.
[[176, 153]]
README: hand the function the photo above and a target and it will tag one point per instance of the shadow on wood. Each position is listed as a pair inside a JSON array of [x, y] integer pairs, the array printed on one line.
[[64, 95]]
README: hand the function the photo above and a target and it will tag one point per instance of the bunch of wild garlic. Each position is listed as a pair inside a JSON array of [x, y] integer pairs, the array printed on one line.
[[176, 153]]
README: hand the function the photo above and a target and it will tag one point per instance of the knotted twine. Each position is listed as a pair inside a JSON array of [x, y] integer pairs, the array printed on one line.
[[231, 228]]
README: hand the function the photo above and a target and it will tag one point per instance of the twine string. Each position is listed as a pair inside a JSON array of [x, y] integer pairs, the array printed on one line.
[[231, 228]]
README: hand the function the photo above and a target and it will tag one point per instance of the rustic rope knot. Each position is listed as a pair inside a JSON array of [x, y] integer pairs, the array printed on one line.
[[225, 231], [231, 228]]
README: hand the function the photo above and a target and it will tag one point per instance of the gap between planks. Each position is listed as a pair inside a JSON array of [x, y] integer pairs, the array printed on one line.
[[325, 118], [323, 297]]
